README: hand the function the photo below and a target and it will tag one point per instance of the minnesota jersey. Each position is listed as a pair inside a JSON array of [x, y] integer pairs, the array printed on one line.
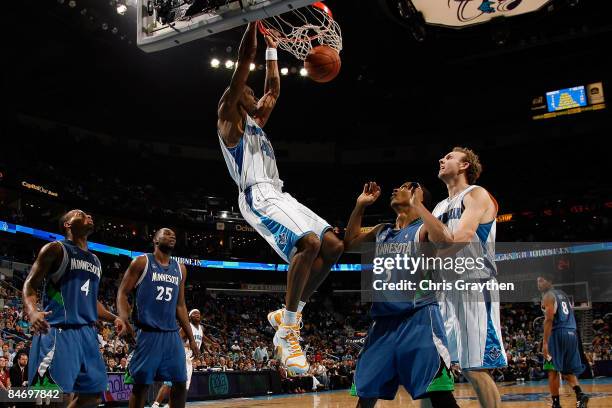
[[449, 212], [198, 335], [71, 292], [157, 292], [390, 242], [564, 312], [252, 160]]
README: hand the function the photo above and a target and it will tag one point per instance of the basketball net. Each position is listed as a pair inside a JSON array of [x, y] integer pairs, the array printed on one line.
[[298, 31]]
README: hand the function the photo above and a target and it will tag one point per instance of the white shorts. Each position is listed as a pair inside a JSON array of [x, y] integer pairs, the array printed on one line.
[[473, 330], [189, 373], [279, 218]]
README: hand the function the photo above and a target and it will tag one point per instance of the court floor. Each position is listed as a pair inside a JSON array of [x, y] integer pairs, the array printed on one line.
[[530, 394]]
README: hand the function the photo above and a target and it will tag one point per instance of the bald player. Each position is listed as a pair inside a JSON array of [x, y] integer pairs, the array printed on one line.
[[159, 301]]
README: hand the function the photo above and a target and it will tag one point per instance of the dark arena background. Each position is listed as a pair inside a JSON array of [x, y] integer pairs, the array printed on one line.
[[91, 121]]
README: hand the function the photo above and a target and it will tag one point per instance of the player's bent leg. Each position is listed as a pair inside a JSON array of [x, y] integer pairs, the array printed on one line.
[[366, 402], [331, 250], [442, 399], [485, 387], [178, 395], [138, 396], [85, 401], [307, 249], [164, 390]]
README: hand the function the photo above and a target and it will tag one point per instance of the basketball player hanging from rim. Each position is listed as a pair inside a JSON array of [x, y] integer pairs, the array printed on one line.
[[297, 234], [466, 222]]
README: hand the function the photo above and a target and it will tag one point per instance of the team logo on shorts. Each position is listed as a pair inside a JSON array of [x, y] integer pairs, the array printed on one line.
[[495, 353], [282, 239]]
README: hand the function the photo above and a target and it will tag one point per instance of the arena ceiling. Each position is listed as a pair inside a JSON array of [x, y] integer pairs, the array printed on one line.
[[67, 64]]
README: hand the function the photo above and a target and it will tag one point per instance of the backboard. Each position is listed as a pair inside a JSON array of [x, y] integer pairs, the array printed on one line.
[[167, 23]]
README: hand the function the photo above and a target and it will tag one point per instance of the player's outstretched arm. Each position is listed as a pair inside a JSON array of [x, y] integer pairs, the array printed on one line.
[[130, 278], [228, 106], [353, 237], [182, 316], [266, 104], [49, 257]]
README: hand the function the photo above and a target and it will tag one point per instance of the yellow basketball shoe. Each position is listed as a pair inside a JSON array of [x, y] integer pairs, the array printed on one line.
[[275, 318], [288, 350]]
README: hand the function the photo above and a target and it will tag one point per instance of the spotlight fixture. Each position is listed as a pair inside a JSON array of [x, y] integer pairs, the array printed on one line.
[[303, 72], [284, 71], [215, 63]]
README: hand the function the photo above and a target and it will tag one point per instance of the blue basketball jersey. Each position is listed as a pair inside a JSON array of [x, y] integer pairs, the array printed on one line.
[[400, 303], [157, 292], [71, 292], [564, 313]]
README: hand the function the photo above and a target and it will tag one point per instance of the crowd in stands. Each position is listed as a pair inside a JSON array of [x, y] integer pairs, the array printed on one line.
[[241, 337]]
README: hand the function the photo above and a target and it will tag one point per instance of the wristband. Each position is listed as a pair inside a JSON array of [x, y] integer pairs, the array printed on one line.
[[271, 54]]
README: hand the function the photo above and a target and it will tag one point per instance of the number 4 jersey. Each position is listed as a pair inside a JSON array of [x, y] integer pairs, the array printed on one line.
[[157, 292], [71, 292]]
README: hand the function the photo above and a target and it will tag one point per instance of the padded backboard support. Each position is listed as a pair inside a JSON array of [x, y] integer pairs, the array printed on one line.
[[153, 35]]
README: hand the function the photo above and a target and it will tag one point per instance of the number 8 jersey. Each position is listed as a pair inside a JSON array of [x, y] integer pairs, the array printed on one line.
[[71, 292], [564, 312], [157, 292]]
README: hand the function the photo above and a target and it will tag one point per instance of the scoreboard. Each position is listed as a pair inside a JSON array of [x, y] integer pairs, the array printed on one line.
[[568, 101], [566, 98]]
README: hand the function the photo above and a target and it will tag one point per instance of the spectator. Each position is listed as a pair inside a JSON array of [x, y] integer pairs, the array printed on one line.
[[261, 353], [112, 364], [122, 367], [19, 372], [5, 379], [320, 373]]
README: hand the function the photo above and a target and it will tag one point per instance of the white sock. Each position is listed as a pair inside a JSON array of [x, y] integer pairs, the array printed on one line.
[[289, 318], [155, 404], [301, 306]]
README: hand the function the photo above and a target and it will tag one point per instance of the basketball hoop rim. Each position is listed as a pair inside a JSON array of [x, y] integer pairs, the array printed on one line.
[[319, 5]]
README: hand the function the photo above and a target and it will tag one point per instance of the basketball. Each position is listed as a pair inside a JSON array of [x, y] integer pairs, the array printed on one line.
[[322, 63]]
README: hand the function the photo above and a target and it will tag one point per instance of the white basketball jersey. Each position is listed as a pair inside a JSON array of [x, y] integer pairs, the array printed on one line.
[[252, 161], [449, 212], [198, 335]]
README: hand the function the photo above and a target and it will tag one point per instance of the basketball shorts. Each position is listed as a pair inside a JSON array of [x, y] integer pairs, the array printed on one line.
[[189, 365], [69, 358], [410, 350], [279, 218], [472, 325], [158, 356], [565, 352]]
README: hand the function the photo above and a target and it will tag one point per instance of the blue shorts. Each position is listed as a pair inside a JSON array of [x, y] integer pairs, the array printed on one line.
[[159, 356], [408, 350], [565, 351], [69, 358]]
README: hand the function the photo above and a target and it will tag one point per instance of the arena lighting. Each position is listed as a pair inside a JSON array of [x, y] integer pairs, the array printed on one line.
[[284, 71], [215, 63], [72, 4], [303, 72], [229, 64], [121, 9], [252, 67]]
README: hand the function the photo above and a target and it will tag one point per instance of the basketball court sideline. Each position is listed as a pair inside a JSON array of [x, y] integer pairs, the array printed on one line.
[[529, 394]]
